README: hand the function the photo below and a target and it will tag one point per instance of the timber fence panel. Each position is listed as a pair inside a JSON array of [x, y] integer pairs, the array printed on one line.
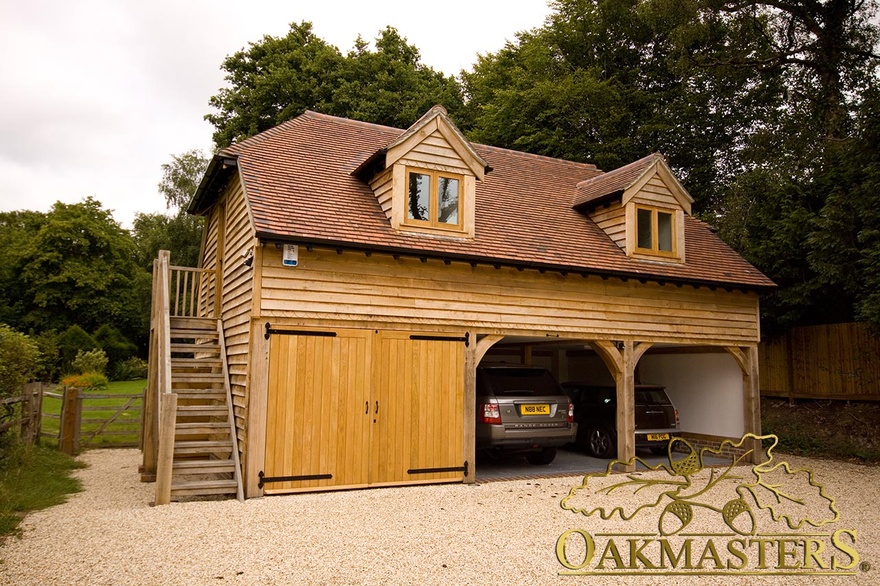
[[92, 418], [836, 361], [23, 413]]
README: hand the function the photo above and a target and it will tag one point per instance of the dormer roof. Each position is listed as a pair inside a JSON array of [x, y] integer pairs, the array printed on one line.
[[625, 181], [434, 120]]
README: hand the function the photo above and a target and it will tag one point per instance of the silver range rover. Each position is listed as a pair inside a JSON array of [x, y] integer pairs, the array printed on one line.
[[522, 409]]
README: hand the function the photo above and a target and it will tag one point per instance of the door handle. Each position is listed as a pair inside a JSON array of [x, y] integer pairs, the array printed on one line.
[[366, 407], [377, 407]]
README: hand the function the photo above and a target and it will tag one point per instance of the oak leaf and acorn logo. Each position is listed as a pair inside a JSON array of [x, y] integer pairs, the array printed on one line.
[[741, 496]]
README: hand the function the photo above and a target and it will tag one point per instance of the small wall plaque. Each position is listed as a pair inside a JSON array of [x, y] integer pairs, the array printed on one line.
[[291, 255]]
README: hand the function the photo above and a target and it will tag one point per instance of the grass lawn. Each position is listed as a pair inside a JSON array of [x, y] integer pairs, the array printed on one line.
[[123, 431], [33, 478]]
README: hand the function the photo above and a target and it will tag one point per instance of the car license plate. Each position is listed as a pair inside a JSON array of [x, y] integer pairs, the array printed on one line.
[[534, 409], [656, 437]]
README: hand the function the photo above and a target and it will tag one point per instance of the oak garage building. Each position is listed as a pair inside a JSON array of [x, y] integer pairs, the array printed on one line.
[[359, 273]]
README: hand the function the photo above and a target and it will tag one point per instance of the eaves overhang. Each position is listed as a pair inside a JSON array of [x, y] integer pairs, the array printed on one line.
[[220, 169]]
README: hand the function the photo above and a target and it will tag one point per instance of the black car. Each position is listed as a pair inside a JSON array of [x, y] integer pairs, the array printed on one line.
[[595, 410], [522, 409]]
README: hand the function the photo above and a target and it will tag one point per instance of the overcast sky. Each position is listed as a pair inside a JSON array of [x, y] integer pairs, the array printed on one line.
[[95, 95]]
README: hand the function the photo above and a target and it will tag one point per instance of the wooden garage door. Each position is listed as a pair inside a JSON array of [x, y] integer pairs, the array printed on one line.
[[317, 422], [349, 408], [419, 385]]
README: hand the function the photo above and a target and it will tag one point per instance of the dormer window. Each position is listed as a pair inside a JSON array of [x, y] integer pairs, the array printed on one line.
[[655, 231], [425, 180], [433, 198]]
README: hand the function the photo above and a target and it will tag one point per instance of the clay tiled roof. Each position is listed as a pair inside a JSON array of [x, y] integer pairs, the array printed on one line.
[[299, 183]]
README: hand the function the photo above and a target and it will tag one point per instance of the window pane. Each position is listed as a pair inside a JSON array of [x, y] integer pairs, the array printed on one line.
[[419, 197], [664, 231], [644, 229], [447, 200]]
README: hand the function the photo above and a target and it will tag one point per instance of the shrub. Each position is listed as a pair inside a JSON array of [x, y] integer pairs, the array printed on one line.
[[19, 358], [90, 361], [132, 369], [86, 380], [49, 367], [117, 347], [72, 341]]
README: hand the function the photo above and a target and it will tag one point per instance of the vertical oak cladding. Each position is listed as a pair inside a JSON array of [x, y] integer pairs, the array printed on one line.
[[350, 287], [353, 408]]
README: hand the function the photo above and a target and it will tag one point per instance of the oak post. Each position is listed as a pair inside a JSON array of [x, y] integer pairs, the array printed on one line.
[[470, 416], [626, 419], [165, 462], [70, 418]]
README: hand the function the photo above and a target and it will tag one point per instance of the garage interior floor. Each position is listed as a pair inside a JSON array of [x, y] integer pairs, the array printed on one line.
[[567, 463]]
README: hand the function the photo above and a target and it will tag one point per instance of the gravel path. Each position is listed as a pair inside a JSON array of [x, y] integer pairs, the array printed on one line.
[[491, 533]]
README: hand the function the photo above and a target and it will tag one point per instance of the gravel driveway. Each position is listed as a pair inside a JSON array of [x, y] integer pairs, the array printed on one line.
[[489, 533]]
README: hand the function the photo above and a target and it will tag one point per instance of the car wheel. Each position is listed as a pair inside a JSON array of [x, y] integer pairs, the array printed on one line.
[[600, 443], [543, 457]]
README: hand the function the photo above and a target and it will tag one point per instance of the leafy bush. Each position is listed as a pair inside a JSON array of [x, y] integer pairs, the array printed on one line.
[[86, 380], [90, 361], [132, 369], [19, 358], [72, 341], [117, 347]]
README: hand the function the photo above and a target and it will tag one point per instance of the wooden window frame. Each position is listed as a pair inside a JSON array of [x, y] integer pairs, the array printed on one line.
[[655, 233], [434, 223]]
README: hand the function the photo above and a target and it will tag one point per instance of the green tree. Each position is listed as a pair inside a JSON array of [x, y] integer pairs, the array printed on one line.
[[278, 78], [176, 231], [390, 85], [609, 81], [78, 269], [17, 229], [181, 177]]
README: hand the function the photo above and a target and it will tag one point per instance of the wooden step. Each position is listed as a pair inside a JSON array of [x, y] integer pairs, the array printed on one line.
[[202, 410], [201, 394], [189, 333], [203, 466], [193, 323], [203, 487], [201, 428], [182, 347], [202, 447], [198, 377], [188, 362]]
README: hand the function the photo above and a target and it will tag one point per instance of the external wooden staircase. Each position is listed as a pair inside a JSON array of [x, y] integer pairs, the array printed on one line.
[[205, 455], [189, 425]]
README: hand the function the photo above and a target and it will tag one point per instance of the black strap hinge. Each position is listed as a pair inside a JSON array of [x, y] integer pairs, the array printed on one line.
[[439, 470], [466, 338], [266, 479], [270, 331]]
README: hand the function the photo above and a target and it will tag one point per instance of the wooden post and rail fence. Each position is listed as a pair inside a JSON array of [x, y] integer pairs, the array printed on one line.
[[23, 413], [79, 419]]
